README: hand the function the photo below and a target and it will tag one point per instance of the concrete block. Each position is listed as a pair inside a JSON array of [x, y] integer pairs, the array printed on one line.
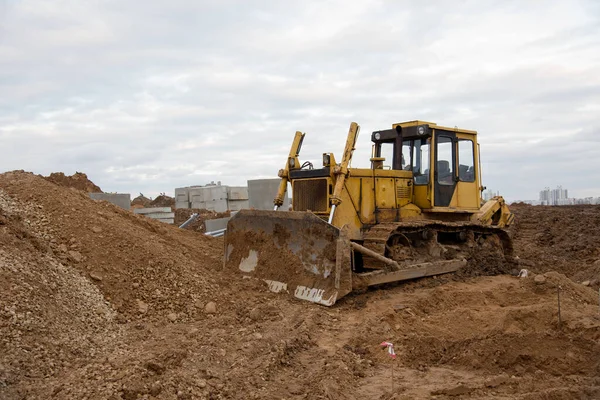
[[214, 193], [261, 193], [199, 205], [215, 224], [182, 194], [152, 210], [217, 205], [236, 205], [237, 193], [122, 200], [162, 214], [197, 195], [182, 204]]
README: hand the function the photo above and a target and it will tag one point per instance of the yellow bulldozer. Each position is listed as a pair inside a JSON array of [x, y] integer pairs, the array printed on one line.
[[417, 211]]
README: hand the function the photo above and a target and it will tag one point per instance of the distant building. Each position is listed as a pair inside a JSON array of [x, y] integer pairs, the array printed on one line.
[[587, 200], [555, 197], [559, 197]]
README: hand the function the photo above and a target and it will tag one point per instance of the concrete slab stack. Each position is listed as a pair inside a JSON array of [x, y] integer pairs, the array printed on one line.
[[182, 198], [237, 198], [213, 198], [122, 200], [196, 196], [162, 214]]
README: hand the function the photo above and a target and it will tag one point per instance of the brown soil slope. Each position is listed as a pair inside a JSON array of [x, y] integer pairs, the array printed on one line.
[[98, 303], [565, 239]]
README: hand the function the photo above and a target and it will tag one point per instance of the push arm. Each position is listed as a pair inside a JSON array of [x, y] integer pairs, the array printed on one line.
[[284, 174]]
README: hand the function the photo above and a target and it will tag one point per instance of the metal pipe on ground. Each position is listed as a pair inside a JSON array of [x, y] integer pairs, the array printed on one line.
[[192, 218], [217, 233]]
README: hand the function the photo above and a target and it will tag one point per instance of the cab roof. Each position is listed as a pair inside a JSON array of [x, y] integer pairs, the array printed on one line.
[[432, 125]]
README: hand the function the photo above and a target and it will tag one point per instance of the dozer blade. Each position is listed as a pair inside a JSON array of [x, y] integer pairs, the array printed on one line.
[[292, 251]]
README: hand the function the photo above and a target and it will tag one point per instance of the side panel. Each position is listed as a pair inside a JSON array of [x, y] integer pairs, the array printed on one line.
[[347, 214], [404, 192], [385, 200], [367, 203], [422, 196]]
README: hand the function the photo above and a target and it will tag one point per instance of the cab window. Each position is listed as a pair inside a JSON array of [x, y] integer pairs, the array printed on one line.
[[466, 161], [406, 156], [420, 160], [387, 152], [445, 165]]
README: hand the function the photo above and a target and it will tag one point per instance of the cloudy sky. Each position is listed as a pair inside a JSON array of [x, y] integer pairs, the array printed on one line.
[[146, 96]]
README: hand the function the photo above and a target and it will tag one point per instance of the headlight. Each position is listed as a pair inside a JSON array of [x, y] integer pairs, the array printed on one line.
[[326, 160], [377, 136], [421, 130], [292, 163]]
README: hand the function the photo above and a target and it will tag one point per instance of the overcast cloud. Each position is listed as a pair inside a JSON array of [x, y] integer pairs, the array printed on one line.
[[146, 96]]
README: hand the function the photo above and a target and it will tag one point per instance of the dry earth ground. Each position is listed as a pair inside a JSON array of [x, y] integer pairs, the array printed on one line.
[[98, 303]]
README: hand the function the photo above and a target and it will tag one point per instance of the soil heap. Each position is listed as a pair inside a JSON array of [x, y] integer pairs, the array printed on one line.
[[99, 303], [141, 202], [163, 201], [78, 181]]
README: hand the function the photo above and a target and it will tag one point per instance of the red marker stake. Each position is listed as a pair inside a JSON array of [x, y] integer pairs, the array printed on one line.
[[392, 354]]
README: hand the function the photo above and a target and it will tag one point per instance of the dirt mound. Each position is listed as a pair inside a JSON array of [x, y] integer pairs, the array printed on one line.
[[147, 262], [48, 311], [79, 181], [183, 214], [141, 202], [163, 201], [565, 239]]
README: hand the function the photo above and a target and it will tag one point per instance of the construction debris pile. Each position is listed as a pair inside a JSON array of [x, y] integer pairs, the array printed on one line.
[[183, 214], [99, 303]]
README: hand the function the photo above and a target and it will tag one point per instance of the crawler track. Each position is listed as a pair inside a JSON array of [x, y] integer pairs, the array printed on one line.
[[411, 243]]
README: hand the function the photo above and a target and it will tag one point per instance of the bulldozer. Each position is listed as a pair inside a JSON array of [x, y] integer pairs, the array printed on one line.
[[416, 212]]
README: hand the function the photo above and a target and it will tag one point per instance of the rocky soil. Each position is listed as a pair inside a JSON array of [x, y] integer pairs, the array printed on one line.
[[99, 303]]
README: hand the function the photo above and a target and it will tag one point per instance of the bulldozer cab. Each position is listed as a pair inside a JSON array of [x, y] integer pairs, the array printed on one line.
[[444, 163]]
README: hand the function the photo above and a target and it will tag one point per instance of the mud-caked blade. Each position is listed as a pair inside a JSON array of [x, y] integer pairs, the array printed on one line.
[[293, 252]]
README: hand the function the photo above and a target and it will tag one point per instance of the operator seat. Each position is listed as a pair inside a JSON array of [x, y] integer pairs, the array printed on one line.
[[443, 166]]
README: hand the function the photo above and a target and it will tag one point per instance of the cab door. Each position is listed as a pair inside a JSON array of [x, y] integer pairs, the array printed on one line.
[[444, 166]]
